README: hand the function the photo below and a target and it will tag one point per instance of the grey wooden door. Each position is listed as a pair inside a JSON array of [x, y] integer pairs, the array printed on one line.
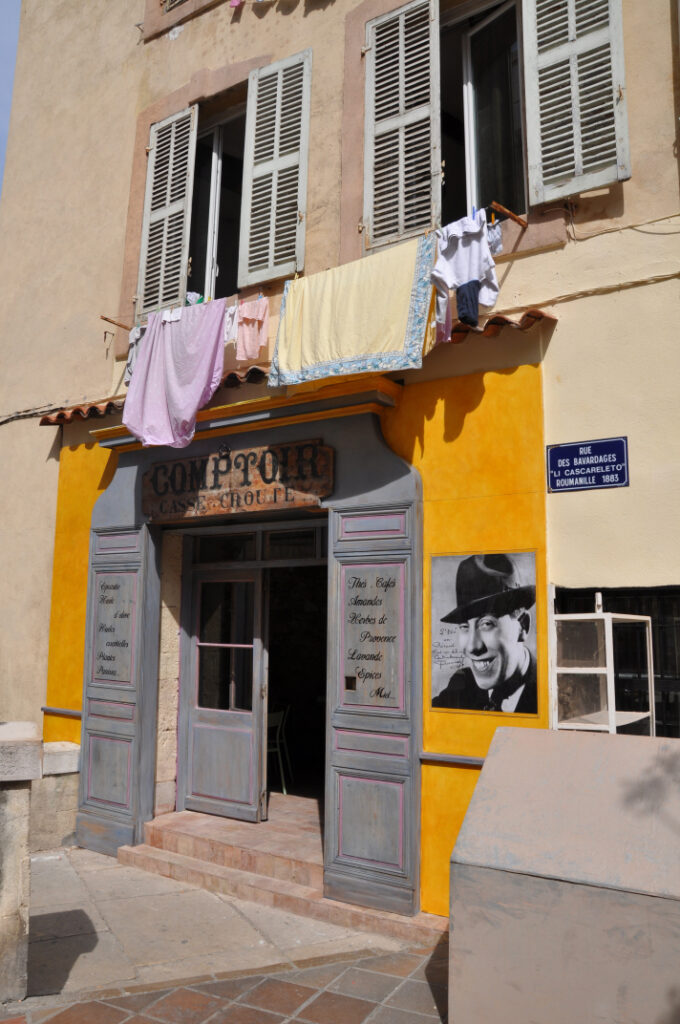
[[222, 696], [372, 800]]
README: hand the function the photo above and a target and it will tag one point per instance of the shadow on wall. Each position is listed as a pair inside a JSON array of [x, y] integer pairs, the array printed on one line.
[[673, 1014], [56, 941], [284, 7], [651, 794], [461, 396]]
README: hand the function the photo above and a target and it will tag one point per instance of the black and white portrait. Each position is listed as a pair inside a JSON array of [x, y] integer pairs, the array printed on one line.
[[484, 632]]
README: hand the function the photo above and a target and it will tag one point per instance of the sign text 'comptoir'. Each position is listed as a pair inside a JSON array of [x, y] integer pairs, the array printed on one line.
[[229, 481]]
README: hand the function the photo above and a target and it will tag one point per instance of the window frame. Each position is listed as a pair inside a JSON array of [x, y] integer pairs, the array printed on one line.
[[370, 132], [537, 193], [214, 126], [493, 10], [299, 119]]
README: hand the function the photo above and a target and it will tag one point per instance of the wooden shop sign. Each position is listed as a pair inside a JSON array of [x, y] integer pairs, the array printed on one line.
[[272, 477]]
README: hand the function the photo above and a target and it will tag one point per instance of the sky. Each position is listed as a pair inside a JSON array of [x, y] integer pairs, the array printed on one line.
[[9, 31]]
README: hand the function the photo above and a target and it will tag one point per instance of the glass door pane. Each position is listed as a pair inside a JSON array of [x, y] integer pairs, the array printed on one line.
[[631, 677], [225, 645], [581, 643], [581, 670]]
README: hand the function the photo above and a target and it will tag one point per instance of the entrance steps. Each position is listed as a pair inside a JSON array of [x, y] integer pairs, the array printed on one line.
[[278, 863]]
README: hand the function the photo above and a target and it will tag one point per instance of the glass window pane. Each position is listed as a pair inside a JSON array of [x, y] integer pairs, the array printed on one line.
[[225, 678], [235, 547], [452, 126], [580, 643], [200, 214], [231, 185], [242, 679], [631, 670], [580, 695], [498, 113], [213, 677], [227, 612], [290, 544]]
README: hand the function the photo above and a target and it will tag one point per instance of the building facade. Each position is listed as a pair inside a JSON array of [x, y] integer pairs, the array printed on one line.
[[307, 552]]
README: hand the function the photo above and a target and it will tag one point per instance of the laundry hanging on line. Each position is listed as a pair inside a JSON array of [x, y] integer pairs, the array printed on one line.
[[463, 257], [253, 328], [134, 342], [371, 315], [177, 370]]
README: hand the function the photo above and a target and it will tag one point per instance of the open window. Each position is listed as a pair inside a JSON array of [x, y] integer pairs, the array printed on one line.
[[225, 194], [520, 102]]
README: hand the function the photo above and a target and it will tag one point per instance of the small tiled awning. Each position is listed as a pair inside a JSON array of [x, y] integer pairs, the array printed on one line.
[[91, 410], [86, 411], [495, 324]]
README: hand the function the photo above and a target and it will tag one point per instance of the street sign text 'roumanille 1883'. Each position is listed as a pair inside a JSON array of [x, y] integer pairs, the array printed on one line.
[[588, 465]]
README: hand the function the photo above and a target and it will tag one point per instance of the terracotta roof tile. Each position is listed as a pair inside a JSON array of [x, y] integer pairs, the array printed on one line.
[[495, 324], [82, 412], [89, 410]]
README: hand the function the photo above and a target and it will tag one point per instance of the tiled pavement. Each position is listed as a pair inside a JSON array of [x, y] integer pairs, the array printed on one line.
[[115, 945], [407, 987]]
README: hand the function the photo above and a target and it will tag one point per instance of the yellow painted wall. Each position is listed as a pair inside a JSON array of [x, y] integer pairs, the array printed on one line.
[[85, 470], [477, 441]]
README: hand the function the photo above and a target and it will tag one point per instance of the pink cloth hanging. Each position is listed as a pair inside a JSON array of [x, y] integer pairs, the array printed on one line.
[[253, 328], [178, 370]]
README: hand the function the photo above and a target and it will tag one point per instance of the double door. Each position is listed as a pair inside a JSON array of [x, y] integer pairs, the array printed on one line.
[[223, 696]]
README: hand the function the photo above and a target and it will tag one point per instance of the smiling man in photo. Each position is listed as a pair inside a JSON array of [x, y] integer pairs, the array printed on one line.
[[493, 619]]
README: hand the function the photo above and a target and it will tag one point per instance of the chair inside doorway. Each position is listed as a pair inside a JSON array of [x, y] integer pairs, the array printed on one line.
[[297, 680]]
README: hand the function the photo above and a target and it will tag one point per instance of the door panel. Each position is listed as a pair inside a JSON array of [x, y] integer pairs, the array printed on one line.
[[371, 837], [222, 696]]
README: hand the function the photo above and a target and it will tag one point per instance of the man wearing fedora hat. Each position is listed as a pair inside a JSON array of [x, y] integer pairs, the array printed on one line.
[[492, 615]]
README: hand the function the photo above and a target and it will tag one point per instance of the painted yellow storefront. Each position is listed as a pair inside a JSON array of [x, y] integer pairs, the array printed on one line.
[[477, 442]]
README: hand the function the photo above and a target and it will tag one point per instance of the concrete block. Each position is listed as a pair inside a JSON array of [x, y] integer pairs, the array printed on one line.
[[14, 889], [20, 751], [61, 758], [54, 805], [565, 889]]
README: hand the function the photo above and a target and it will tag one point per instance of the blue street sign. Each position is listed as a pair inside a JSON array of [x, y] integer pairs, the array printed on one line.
[[588, 465]]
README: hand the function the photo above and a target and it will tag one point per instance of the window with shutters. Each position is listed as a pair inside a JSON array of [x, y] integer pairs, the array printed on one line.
[[226, 191], [519, 102]]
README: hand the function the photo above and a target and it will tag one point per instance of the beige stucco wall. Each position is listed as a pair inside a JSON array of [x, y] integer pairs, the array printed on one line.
[[84, 81], [168, 675]]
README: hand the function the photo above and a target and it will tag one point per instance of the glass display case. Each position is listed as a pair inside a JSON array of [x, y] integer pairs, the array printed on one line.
[[604, 673]]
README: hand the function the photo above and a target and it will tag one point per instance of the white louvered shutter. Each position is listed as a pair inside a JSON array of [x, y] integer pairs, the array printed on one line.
[[167, 212], [273, 208], [577, 127], [402, 158]]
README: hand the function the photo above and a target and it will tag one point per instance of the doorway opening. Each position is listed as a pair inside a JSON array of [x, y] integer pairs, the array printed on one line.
[[297, 680], [252, 703]]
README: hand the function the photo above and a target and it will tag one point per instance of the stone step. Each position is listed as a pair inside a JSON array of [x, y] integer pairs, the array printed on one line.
[[177, 833], [283, 894]]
